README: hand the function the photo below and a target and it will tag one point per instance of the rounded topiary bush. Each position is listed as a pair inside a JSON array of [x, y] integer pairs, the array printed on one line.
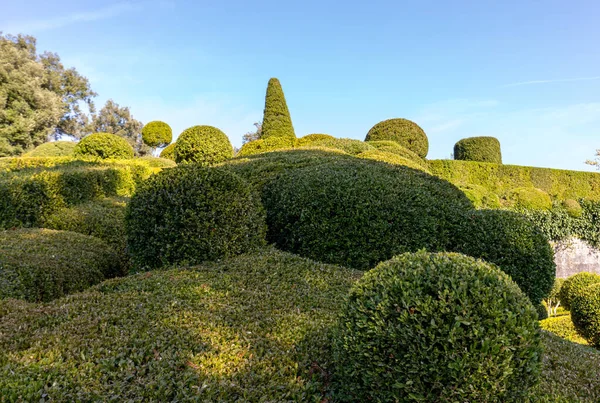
[[356, 212], [573, 208], [394, 159], [395, 148], [481, 149], [480, 196], [511, 242], [42, 264], [438, 328], [404, 132], [349, 146], [573, 285], [168, 152], [529, 198], [309, 138], [104, 145], [157, 134], [53, 149], [190, 214], [204, 145], [267, 144], [585, 313]]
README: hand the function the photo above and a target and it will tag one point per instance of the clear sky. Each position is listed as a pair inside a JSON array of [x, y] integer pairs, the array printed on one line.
[[527, 72]]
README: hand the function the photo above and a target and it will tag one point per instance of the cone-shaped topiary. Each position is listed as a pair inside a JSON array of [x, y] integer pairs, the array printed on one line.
[[157, 134], [276, 121], [104, 145], [204, 145], [168, 152], [404, 132], [481, 149]]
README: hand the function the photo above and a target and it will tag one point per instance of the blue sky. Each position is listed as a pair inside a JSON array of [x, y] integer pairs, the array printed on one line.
[[527, 72]]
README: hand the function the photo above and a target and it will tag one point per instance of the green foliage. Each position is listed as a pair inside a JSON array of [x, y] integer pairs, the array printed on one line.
[[357, 213], [350, 146], [585, 312], [395, 148], [573, 208], [168, 152], [41, 264], [404, 132], [157, 162], [552, 301], [103, 145], [309, 138], [204, 145], [267, 144], [508, 240], [157, 134], [573, 286], [563, 327], [276, 120], [437, 328], [190, 214], [392, 158], [53, 149], [481, 149], [529, 198], [480, 196]]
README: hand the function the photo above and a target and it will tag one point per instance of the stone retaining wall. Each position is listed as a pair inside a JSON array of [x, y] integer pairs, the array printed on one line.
[[574, 256]]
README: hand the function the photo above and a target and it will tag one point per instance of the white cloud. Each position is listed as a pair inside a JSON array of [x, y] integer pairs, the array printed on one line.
[[560, 80]]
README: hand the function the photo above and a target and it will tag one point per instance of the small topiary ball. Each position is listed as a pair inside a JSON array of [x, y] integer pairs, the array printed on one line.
[[511, 242], [104, 145], [573, 285], [53, 149], [530, 198], [404, 132], [437, 328], [268, 144], [190, 214], [157, 134], [585, 313], [573, 208], [168, 152], [481, 149], [204, 145]]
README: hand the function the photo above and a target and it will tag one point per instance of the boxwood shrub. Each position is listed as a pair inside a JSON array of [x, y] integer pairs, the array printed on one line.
[[510, 241], [482, 149], [585, 312], [357, 213], [157, 134], [394, 159], [529, 198], [53, 149], [42, 264], [266, 144], [395, 148], [404, 132], [573, 285], [573, 208], [350, 146], [190, 214], [204, 145], [480, 196], [563, 327], [437, 328], [103, 145], [309, 138], [168, 152], [277, 121]]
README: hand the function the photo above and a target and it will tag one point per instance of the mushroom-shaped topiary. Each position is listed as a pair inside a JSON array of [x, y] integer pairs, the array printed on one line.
[[204, 145], [404, 132], [481, 149], [104, 145], [157, 134], [276, 121]]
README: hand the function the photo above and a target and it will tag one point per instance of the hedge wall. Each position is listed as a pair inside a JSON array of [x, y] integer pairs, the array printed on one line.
[[483, 149]]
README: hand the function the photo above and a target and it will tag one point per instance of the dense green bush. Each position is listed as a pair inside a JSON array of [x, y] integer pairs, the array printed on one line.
[[204, 145], [437, 328], [357, 213], [585, 313], [529, 198], [309, 138], [276, 119], [190, 214], [53, 149], [508, 240], [157, 134], [395, 148], [103, 145], [392, 158], [168, 152], [267, 144], [157, 162], [573, 208], [404, 132], [573, 285], [563, 327], [481, 149], [480, 196], [42, 264], [349, 146]]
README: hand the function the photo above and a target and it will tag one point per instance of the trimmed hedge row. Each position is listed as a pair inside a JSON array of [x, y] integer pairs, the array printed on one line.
[[395, 148], [42, 264], [404, 132], [392, 158], [480, 196], [529, 198], [350, 146], [482, 149], [53, 149]]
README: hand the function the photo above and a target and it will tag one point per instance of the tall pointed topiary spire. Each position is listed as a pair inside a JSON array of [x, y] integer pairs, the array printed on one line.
[[276, 121]]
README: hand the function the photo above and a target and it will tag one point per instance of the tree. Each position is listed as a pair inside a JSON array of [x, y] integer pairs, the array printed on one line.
[[255, 135], [118, 120], [595, 162], [276, 121]]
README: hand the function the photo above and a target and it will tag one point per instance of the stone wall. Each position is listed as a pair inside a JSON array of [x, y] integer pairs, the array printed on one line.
[[574, 256]]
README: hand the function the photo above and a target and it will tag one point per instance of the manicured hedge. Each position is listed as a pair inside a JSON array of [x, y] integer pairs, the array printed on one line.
[[190, 214], [309, 138], [585, 312], [357, 213], [573, 286], [404, 132], [437, 328], [573, 208], [53, 149], [482, 149], [480, 196], [267, 144], [157, 162], [42, 264], [508, 240], [168, 152], [529, 198], [276, 119], [563, 327], [350, 146], [392, 158], [157, 134], [104, 146], [204, 145], [395, 148]]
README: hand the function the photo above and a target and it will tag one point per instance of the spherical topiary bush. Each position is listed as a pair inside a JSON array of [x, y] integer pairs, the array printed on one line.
[[395, 148], [356, 212], [480, 196], [104, 145], [204, 145], [530, 198], [511, 242], [53, 149], [585, 313], [404, 132], [168, 152], [573, 208], [350, 146], [157, 134], [190, 214], [481, 149], [442, 327], [264, 145], [573, 285]]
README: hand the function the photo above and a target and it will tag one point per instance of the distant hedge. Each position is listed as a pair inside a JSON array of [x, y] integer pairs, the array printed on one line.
[[53, 149], [349, 146], [309, 138], [266, 144], [168, 152], [276, 119], [480, 196], [157, 134], [204, 145], [573, 285], [394, 159], [42, 264], [481, 149], [104, 145], [404, 132], [529, 198]]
